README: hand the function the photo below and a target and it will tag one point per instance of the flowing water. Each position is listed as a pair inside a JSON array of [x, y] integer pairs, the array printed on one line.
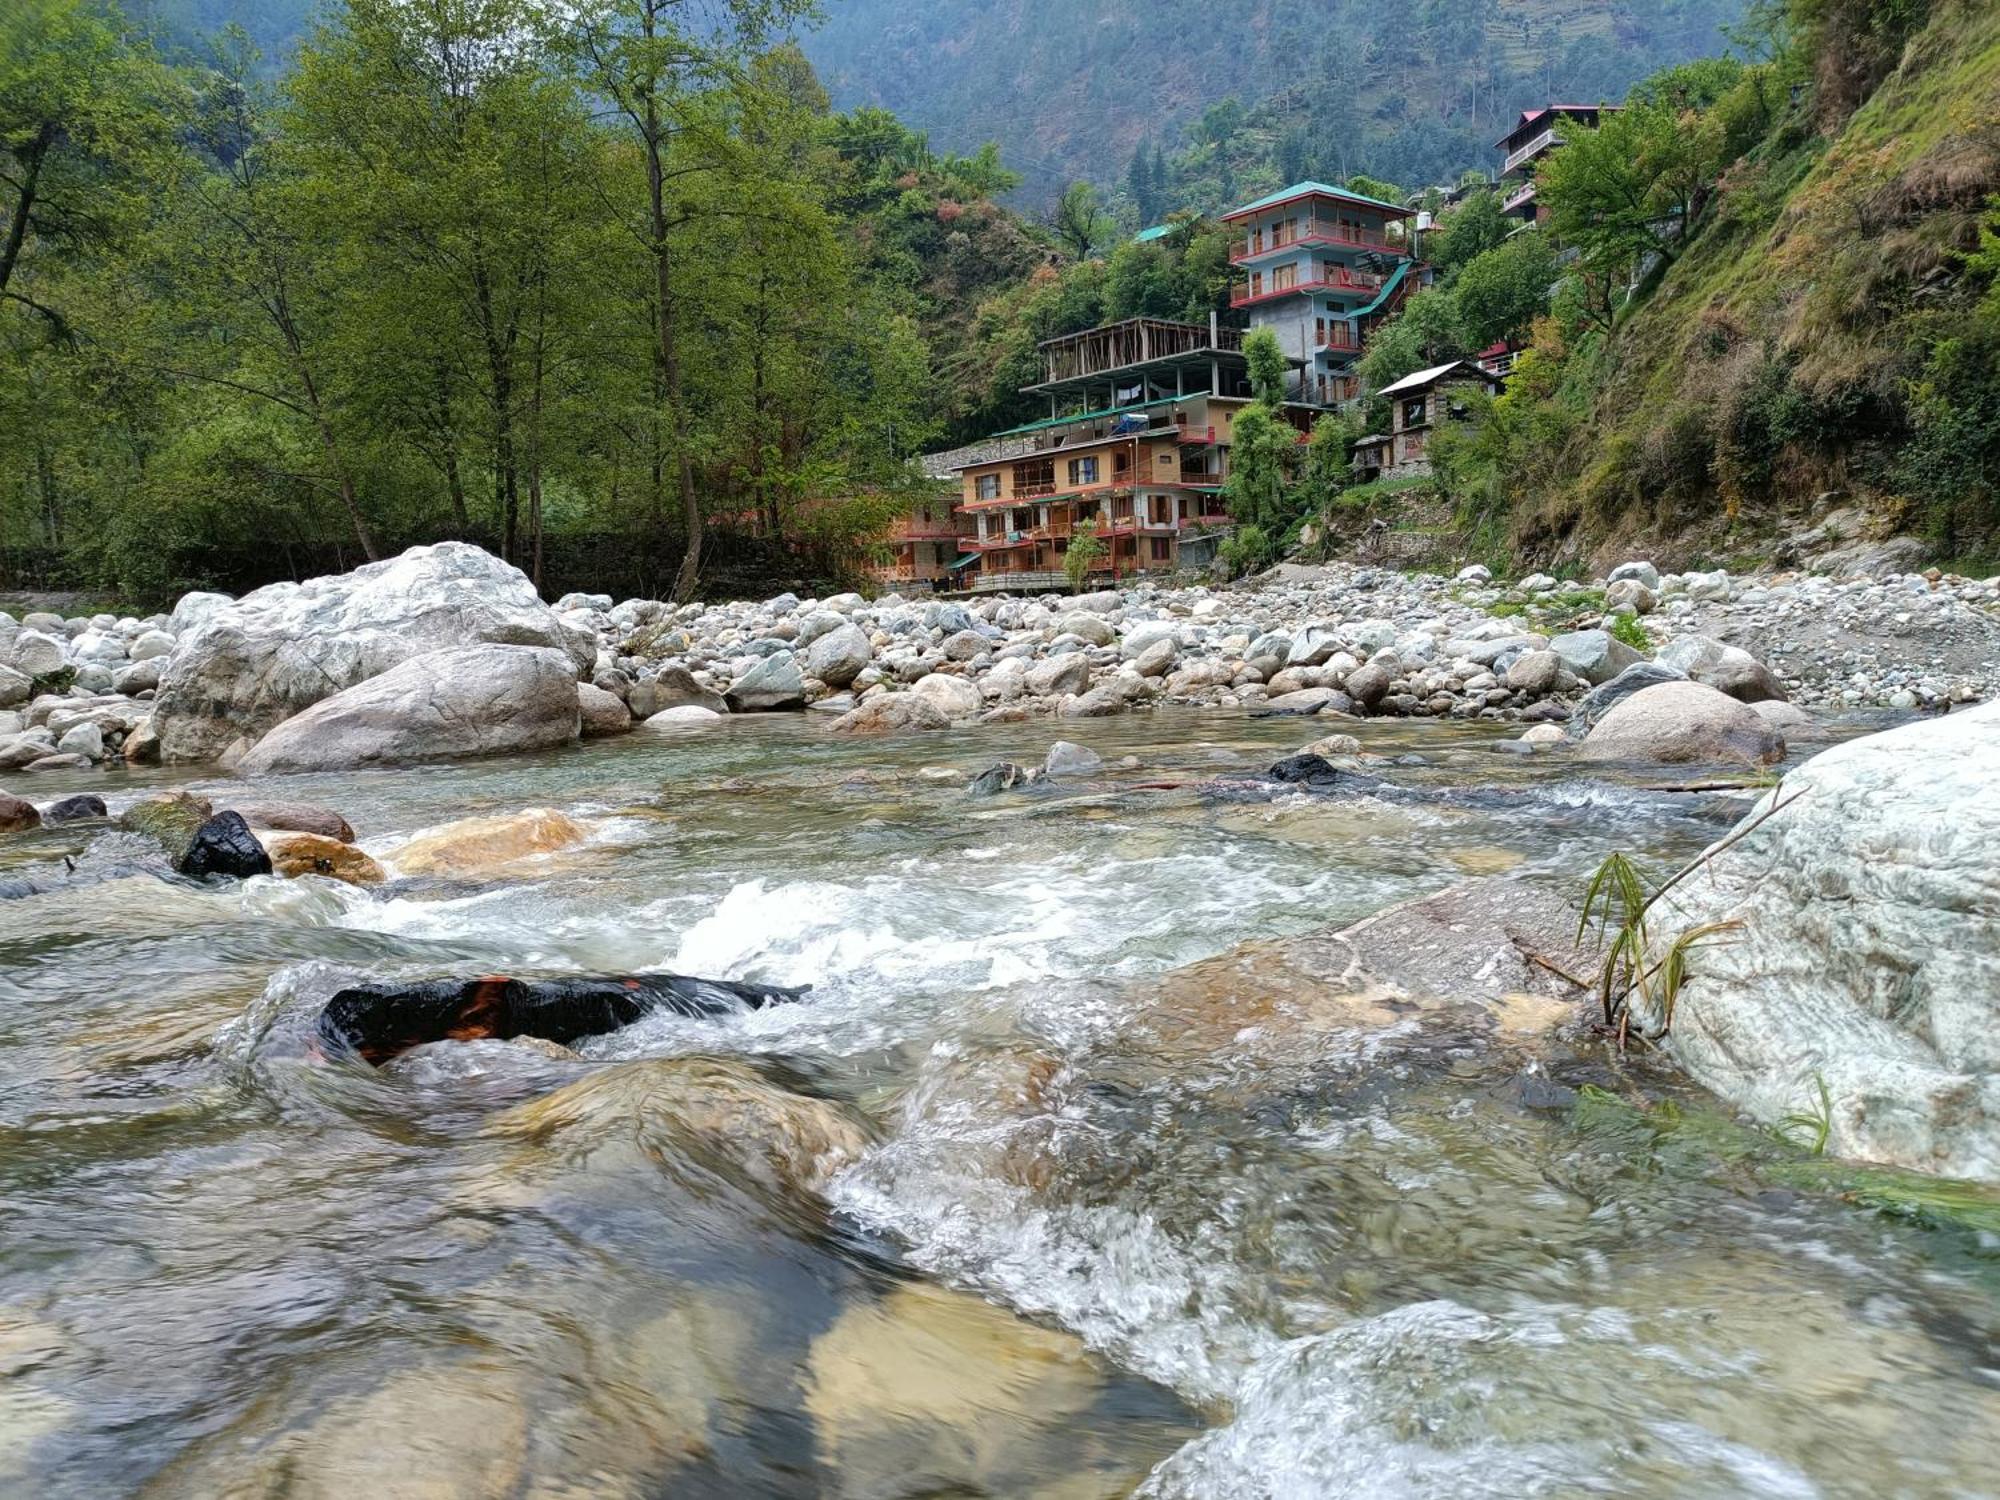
[[1107, 1218]]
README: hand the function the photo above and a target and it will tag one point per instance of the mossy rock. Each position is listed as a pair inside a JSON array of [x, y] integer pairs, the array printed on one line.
[[171, 819]]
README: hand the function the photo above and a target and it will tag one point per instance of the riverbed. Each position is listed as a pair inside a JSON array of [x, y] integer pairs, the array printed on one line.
[[1126, 1219]]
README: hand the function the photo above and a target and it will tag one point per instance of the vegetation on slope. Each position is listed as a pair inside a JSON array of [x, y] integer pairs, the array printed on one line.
[[1812, 314]]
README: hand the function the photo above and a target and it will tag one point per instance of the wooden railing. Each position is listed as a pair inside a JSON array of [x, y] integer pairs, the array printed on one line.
[[1533, 148], [1242, 294], [1319, 232]]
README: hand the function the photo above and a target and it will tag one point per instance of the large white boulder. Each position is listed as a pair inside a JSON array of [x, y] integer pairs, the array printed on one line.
[[1869, 952], [444, 705], [249, 665]]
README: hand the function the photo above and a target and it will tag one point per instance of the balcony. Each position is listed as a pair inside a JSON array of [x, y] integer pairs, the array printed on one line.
[[1520, 198], [1344, 284], [1534, 148], [1319, 232], [925, 531]]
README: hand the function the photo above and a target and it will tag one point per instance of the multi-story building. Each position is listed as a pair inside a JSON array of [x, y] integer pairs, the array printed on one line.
[[1535, 136], [922, 545], [1142, 463], [1322, 267]]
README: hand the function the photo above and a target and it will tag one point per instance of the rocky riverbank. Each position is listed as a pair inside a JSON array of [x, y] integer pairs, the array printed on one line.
[[446, 652]]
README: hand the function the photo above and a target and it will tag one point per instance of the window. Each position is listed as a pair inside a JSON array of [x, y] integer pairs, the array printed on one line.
[[1319, 331], [1083, 470], [1413, 411], [988, 487], [1256, 283], [1283, 277], [1161, 547]]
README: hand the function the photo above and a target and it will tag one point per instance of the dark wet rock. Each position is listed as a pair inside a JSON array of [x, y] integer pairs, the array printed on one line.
[[18, 816], [170, 820], [296, 817], [74, 809], [1304, 770], [378, 1021], [1001, 778], [224, 846]]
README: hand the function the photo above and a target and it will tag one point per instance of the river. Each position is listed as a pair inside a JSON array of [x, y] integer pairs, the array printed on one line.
[[1120, 1224]]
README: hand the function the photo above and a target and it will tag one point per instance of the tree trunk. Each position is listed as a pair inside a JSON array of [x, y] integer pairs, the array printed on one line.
[[32, 157], [669, 351]]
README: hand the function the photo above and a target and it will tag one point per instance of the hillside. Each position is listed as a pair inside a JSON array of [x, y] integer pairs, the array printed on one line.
[[1416, 94], [1827, 342]]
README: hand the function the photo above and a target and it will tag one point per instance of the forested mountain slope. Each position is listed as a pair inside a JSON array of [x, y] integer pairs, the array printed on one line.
[[1414, 93]]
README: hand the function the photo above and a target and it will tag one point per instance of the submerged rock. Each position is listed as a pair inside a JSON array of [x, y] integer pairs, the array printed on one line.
[[1868, 958], [479, 846], [378, 1021], [1001, 778]]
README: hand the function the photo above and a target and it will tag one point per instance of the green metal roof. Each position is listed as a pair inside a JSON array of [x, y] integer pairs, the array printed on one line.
[[1157, 232], [1301, 189], [1093, 416]]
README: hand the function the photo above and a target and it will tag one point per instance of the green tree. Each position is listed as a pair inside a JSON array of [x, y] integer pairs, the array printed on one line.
[[650, 59], [1500, 292], [1266, 360], [1471, 229], [1080, 220], [1085, 553]]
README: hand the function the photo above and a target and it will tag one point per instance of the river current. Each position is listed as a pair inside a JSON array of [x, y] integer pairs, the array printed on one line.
[[1134, 1210]]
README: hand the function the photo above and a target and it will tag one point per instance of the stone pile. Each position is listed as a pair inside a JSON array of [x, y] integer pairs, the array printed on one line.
[[441, 652]]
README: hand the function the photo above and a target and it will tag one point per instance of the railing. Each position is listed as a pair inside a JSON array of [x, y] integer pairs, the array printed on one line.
[[1038, 487], [1319, 232], [924, 531], [1340, 339], [1525, 193], [1534, 148], [1241, 295]]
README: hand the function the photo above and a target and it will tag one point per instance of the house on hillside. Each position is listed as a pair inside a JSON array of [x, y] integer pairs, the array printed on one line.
[[1418, 405], [1538, 132], [1322, 267]]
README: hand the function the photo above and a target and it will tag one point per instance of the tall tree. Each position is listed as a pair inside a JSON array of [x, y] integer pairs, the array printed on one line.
[[650, 59]]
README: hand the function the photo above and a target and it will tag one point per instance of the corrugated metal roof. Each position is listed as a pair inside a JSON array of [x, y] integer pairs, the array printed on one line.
[[1426, 377]]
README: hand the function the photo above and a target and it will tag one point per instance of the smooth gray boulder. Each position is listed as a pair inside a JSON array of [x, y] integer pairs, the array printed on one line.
[[1596, 656], [1067, 758], [1059, 675], [774, 685], [671, 687], [36, 654], [1682, 723], [1643, 573], [891, 713], [258, 661], [444, 705], [603, 713], [1600, 700], [1728, 669], [838, 656], [1091, 627], [956, 697], [1535, 673], [1869, 952]]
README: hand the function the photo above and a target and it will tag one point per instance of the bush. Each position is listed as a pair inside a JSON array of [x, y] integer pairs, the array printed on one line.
[[1951, 466], [1244, 552]]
